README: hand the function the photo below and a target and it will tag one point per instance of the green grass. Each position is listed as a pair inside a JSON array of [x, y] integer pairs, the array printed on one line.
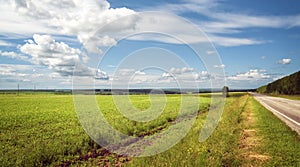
[[219, 149], [292, 97], [38, 130], [278, 140], [43, 129]]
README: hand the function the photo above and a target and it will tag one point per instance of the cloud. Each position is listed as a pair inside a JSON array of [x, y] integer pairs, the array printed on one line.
[[17, 24], [184, 74], [252, 75], [232, 22], [219, 66], [101, 75], [156, 27], [139, 73], [177, 73], [217, 23], [58, 56], [180, 70], [13, 70], [125, 72], [231, 41], [210, 52], [189, 35], [284, 61], [31, 76], [123, 78], [166, 75], [263, 57], [143, 78], [222, 22], [111, 66], [93, 43], [12, 73], [203, 75], [186, 77], [81, 18], [14, 55], [4, 43], [132, 76]]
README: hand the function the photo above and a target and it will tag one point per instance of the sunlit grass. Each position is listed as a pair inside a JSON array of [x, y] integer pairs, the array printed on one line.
[[292, 97], [38, 130], [43, 129], [279, 141]]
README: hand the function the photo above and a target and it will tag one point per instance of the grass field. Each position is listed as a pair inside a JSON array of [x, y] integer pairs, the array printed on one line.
[[43, 129]]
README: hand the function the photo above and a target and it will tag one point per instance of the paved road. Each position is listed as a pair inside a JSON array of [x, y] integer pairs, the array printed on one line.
[[287, 110]]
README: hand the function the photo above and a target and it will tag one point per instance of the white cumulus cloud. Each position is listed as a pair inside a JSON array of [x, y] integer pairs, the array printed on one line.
[[81, 18], [101, 75], [285, 61], [60, 57]]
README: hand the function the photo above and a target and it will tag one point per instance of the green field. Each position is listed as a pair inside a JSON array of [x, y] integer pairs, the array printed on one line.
[[43, 129]]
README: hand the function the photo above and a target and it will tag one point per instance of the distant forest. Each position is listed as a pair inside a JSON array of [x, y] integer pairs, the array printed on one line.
[[289, 85]]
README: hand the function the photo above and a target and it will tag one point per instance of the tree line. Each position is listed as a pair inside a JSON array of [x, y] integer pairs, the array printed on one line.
[[289, 85]]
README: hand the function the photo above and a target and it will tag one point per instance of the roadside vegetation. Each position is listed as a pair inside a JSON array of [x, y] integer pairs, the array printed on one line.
[[265, 140], [43, 130], [292, 97], [279, 142], [289, 85]]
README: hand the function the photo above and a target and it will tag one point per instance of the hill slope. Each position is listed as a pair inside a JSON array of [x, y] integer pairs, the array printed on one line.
[[289, 85]]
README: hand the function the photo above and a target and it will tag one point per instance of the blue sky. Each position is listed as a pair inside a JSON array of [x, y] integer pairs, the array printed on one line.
[[253, 43]]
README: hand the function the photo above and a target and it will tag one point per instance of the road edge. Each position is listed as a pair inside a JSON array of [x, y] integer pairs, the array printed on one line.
[[295, 126]]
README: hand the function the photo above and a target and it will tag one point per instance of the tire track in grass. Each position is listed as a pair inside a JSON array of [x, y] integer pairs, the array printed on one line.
[[250, 141], [103, 157]]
